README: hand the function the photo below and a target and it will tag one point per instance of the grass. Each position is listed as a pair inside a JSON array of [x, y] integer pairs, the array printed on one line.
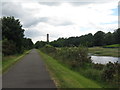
[[66, 78], [8, 61], [113, 46], [104, 51]]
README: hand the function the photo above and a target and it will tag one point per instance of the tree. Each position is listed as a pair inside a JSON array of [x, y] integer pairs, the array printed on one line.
[[86, 40], [108, 38], [99, 38], [27, 43], [8, 47], [117, 36], [12, 31], [40, 44]]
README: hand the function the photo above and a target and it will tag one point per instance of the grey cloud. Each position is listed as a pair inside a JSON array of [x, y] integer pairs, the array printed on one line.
[[59, 0], [33, 33], [86, 2], [43, 19], [50, 3], [65, 23], [35, 21], [12, 9], [79, 3], [16, 10]]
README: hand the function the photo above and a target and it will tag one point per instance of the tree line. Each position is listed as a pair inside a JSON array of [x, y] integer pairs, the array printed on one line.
[[13, 40], [100, 38]]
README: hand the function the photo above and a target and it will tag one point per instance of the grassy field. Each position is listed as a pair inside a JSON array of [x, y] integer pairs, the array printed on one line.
[[112, 46], [64, 77], [8, 61], [115, 52]]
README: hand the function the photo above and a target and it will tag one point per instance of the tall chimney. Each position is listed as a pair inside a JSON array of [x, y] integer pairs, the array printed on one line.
[[47, 37]]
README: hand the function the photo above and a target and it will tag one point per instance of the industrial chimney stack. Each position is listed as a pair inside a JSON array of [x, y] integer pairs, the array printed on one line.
[[47, 37]]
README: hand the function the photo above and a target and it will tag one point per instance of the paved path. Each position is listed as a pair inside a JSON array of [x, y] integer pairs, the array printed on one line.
[[28, 73]]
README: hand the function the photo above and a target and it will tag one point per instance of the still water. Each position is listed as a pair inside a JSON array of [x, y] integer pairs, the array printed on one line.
[[104, 59]]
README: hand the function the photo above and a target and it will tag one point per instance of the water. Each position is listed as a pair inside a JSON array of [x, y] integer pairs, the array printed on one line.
[[104, 59]]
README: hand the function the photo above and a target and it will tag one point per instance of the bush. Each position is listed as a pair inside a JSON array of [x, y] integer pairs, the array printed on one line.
[[74, 56], [92, 73], [98, 66], [108, 72], [9, 47], [49, 49]]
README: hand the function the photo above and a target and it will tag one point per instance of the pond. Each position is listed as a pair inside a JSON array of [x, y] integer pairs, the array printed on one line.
[[104, 59]]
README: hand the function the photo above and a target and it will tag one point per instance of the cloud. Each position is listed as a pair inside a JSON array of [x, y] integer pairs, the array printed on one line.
[[50, 3], [32, 33], [59, 21], [35, 21], [86, 2], [10, 9], [61, 1], [63, 19]]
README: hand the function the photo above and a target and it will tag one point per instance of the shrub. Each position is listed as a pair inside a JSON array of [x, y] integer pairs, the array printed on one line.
[[108, 72], [98, 66], [9, 47], [49, 49], [92, 73], [74, 56], [117, 73]]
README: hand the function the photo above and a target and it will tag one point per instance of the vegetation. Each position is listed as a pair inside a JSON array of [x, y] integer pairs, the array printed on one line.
[[77, 59], [98, 39], [66, 78], [111, 72], [112, 46], [8, 61], [13, 40], [74, 56], [40, 44], [100, 51]]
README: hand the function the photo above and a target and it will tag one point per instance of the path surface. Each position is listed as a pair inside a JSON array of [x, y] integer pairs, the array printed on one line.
[[28, 73]]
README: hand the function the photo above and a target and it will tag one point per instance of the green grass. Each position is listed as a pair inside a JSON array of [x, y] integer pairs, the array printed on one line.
[[8, 61], [113, 46], [104, 51], [66, 78]]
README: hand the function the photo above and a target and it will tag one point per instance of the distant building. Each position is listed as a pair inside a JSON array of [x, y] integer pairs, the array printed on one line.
[[47, 37]]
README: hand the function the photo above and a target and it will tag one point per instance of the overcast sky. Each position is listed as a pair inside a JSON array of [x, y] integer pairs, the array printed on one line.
[[63, 19]]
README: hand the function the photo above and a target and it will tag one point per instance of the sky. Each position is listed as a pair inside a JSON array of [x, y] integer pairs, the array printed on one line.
[[65, 18]]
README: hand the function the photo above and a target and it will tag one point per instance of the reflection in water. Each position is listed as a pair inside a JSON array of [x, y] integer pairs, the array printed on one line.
[[104, 59]]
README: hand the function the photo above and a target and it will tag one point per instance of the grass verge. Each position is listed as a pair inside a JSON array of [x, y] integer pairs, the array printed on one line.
[[104, 51], [64, 77], [8, 61]]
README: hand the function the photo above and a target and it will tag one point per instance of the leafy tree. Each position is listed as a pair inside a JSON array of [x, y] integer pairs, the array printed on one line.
[[60, 42], [12, 30], [27, 43], [99, 38], [8, 47], [117, 36], [40, 44], [86, 40], [108, 39]]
